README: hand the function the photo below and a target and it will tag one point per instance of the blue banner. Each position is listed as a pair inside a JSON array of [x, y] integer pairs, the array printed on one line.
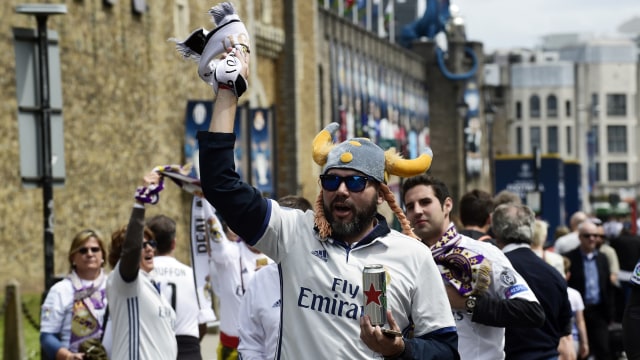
[[518, 175], [572, 185]]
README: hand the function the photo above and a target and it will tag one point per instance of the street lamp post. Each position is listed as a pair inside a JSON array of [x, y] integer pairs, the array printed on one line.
[[42, 12]]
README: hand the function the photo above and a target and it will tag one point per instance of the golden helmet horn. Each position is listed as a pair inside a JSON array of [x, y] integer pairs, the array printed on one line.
[[323, 143], [396, 165]]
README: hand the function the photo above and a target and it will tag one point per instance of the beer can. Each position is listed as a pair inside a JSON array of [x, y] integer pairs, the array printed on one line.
[[374, 287]]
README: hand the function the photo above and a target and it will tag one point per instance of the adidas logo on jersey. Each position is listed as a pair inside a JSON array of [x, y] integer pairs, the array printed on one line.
[[277, 304], [322, 254]]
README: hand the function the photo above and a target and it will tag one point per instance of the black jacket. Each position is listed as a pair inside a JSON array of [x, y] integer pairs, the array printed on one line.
[[577, 281], [551, 290]]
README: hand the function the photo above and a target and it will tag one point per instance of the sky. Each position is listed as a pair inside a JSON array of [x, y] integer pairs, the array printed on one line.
[[503, 24]]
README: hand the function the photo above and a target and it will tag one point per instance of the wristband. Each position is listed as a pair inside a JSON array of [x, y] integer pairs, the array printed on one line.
[[149, 194]]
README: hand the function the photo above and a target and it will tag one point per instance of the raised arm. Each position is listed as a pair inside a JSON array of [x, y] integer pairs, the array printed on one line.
[[242, 206], [132, 246], [234, 66]]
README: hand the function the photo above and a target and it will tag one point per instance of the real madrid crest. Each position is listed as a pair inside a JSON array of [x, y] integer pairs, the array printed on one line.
[[507, 278]]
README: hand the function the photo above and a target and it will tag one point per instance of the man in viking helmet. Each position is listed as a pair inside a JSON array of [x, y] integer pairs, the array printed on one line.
[[322, 253]]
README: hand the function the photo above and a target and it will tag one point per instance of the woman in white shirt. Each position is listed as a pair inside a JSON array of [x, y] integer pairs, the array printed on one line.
[[74, 308]]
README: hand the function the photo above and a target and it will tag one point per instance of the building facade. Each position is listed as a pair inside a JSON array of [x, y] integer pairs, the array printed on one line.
[[579, 101]]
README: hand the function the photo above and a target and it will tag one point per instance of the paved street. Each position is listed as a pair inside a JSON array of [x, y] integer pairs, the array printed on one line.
[[209, 345]]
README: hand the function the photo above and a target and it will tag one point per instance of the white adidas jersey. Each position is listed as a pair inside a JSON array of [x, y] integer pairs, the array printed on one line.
[[260, 315], [177, 285], [143, 320], [322, 291], [232, 268], [478, 341]]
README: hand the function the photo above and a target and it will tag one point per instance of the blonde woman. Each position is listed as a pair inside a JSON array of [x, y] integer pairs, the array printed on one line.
[[74, 308]]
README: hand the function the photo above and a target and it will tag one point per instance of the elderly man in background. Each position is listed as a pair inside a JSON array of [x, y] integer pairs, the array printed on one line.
[[513, 228]]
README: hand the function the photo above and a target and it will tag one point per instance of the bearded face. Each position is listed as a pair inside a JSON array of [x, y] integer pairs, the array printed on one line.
[[358, 220]]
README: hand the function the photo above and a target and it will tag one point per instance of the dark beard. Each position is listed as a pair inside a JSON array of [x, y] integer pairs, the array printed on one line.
[[362, 219]]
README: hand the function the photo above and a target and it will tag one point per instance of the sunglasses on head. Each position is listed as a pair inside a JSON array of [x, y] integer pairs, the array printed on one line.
[[85, 250], [354, 183], [152, 243]]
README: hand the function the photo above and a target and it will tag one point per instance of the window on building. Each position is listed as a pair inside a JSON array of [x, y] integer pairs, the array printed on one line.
[[569, 138], [534, 106], [617, 171], [518, 110], [567, 108], [597, 172], [616, 104], [594, 100], [518, 140], [617, 139], [552, 139], [552, 106], [536, 140]]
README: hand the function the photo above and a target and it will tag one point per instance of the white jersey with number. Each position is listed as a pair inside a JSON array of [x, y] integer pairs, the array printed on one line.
[[178, 286], [478, 341], [143, 320], [232, 266], [260, 315], [322, 294]]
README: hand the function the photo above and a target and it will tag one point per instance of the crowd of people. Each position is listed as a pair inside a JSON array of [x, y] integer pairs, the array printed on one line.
[[289, 273]]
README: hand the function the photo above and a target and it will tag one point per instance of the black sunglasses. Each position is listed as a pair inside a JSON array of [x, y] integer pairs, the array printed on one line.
[[354, 183], [152, 243], [85, 250], [591, 235]]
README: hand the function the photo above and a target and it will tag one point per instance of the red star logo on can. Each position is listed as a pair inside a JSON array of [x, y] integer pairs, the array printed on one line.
[[373, 295]]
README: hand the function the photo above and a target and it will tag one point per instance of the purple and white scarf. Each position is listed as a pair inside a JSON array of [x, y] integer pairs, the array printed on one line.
[[467, 271], [85, 323]]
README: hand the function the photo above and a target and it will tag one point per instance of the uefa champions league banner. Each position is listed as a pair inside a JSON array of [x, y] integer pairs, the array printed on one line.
[[205, 227], [200, 249]]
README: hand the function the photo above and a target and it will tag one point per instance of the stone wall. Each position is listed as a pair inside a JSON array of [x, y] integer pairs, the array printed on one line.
[[125, 90]]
